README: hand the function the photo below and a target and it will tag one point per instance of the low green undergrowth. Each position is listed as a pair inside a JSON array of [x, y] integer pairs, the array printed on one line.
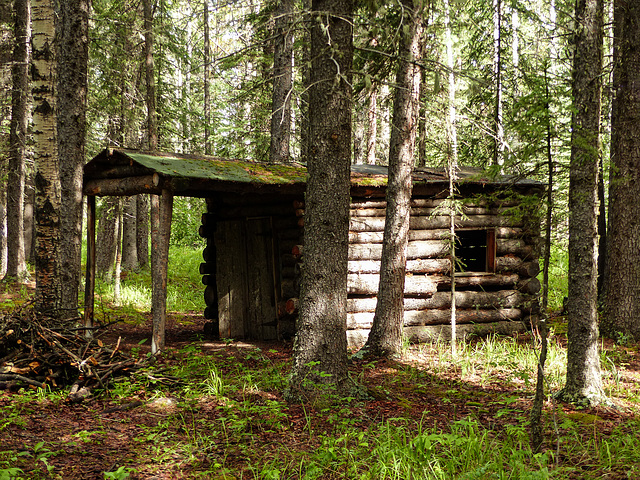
[[440, 418], [184, 287]]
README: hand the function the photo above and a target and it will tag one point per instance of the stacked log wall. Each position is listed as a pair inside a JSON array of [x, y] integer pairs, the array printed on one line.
[[482, 298]]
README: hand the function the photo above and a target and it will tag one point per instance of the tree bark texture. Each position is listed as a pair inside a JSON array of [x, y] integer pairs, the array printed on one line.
[[207, 74], [142, 230], [47, 180], [129, 234], [16, 263], [584, 382], [498, 154], [372, 123], [282, 82], [3, 232], [106, 238], [320, 351], [72, 51], [150, 96], [622, 290], [385, 338]]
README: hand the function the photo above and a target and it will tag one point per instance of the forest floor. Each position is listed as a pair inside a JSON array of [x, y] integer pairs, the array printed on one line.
[[215, 409]]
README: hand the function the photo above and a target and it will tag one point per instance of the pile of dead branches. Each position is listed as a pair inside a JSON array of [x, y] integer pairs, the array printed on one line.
[[37, 351]]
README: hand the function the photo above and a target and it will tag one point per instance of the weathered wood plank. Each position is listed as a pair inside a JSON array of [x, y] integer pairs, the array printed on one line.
[[123, 186], [90, 275], [161, 210]]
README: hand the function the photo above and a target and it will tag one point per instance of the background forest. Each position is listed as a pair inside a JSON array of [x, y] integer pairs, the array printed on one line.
[[214, 85]]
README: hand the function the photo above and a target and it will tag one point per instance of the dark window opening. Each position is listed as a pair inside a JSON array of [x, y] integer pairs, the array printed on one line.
[[475, 251]]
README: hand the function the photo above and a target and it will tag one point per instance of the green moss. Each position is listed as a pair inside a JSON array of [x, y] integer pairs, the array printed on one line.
[[224, 170]]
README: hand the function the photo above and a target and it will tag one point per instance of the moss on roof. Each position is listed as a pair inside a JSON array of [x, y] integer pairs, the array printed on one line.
[[224, 170]]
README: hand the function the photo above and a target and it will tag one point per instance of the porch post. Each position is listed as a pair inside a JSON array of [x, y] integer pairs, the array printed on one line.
[[90, 274], [161, 210]]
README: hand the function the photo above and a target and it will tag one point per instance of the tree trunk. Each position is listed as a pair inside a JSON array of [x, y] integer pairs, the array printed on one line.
[[550, 203], [3, 233], [16, 264], [106, 238], [282, 83], [320, 352], [142, 230], [385, 338], [622, 292], [29, 219], [372, 122], [584, 382], [305, 143], [358, 134], [72, 51], [47, 180], [150, 96], [205, 86], [129, 234], [498, 153], [117, 280]]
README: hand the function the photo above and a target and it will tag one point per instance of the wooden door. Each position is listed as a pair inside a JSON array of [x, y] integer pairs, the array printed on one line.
[[245, 279], [261, 315]]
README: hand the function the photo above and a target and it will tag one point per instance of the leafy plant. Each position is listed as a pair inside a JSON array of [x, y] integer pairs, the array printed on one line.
[[121, 473]]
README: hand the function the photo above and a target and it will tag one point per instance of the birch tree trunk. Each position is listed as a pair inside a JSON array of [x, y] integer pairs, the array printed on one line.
[[372, 122], [129, 234], [47, 180], [452, 169], [385, 338], [498, 153]]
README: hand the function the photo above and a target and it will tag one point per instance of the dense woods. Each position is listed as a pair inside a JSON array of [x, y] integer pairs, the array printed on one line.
[[518, 89]]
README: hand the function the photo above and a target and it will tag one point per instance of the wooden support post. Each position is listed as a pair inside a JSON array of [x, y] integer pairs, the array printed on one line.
[[90, 275], [161, 210]]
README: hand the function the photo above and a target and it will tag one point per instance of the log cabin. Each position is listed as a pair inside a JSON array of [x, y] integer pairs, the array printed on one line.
[[254, 224]]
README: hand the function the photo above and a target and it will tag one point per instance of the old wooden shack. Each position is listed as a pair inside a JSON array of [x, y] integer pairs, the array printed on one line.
[[254, 251]]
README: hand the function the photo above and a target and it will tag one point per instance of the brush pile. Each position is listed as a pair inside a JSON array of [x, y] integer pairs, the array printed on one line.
[[39, 352]]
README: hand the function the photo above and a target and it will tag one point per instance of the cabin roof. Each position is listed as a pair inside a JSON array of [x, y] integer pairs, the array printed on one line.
[[197, 175]]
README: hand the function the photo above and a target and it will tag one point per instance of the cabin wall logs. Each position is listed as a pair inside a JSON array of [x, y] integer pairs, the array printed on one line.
[[482, 297], [504, 290]]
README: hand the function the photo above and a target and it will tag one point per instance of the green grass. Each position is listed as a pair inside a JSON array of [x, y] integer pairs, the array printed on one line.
[[184, 287], [558, 276]]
